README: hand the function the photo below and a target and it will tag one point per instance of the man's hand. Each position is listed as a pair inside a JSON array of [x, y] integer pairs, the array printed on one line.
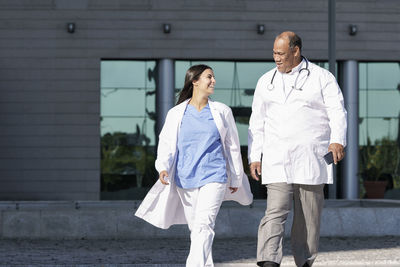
[[337, 151], [255, 170], [163, 174]]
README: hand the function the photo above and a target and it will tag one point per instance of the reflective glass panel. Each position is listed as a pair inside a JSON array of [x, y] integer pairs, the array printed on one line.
[[379, 100], [379, 136], [127, 128]]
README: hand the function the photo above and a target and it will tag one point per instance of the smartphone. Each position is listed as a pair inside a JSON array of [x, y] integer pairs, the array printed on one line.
[[329, 158]]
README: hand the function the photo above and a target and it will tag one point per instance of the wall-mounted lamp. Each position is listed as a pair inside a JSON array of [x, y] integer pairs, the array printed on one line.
[[260, 28], [71, 27], [167, 28], [353, 29]]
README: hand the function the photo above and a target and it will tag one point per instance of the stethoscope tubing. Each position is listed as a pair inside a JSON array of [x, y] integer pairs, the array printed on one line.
[[271, 86]]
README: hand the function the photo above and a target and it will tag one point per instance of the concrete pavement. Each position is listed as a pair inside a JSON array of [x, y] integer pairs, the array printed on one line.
[[172, 252], [107, 234]]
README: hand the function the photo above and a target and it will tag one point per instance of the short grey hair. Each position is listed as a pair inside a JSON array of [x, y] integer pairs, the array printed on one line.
[[294, 40]]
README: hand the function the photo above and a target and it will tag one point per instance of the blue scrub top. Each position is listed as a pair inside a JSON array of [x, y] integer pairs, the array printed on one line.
[[200, 151]]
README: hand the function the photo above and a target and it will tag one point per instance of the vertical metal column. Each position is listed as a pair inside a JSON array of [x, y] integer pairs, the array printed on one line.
[[165, 90], [332, 68], [350, 91], [332, 36]]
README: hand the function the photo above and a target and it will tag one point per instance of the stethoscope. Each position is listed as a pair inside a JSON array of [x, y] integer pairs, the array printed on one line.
[[271, 86]]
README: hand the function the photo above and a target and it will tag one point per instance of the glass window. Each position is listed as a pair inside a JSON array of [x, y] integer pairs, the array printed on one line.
[[379, 111], [127, 129], [128, 118], [379, 101]]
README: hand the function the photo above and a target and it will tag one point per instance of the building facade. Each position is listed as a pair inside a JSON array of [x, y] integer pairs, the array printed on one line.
[[85, 84]]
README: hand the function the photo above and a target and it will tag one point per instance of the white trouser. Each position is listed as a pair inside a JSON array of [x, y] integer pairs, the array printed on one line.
[[201, 206]]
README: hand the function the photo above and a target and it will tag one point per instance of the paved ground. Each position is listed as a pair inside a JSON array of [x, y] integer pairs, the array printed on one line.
[[355, 252]]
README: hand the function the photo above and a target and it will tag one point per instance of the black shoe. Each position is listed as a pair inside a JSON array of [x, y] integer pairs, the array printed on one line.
[[306, 265], [268, 264]]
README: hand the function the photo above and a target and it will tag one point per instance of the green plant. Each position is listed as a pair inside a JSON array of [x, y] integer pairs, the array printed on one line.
[[379, 159], [127, 161]]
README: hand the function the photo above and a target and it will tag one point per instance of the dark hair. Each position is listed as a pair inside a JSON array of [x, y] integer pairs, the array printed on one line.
[[294, 40], [192, 74]]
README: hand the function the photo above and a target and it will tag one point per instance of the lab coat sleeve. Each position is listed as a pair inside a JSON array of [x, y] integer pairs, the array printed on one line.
[[164, 151], [232, 145], [337, 114], [256, 125]]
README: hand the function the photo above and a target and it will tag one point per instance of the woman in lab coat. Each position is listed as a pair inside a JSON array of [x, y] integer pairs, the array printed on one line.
[[199, 165]]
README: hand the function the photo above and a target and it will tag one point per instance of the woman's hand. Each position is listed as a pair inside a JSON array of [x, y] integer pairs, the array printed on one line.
[[233, 189], [162, 176]]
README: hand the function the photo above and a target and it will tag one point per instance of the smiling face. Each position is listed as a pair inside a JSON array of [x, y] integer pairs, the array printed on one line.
[[205, 84], [286, 58]]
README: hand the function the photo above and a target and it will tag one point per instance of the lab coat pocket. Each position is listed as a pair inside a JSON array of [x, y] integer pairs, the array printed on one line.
[[304, 164]]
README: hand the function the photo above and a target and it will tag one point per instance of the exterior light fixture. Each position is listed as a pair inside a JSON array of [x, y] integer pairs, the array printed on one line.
[[353, 29], [260, 28], [167, 28], [71, 27]]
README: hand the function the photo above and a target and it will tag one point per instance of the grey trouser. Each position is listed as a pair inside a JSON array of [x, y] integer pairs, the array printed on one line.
[[308, 202]]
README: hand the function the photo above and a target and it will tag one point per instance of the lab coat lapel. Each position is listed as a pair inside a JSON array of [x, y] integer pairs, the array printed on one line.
[[288, 94], [291, 88], [284, 91], [182, 107], [278, 92], [179, 115], [218, 120]]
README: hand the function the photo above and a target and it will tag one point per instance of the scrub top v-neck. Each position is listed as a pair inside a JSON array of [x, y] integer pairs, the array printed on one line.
[[200, 151]]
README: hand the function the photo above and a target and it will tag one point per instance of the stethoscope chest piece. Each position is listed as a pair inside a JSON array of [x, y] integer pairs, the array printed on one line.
[[270, 87]]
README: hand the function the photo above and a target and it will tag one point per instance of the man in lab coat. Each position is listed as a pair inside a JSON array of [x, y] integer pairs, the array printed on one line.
[[298, 115]]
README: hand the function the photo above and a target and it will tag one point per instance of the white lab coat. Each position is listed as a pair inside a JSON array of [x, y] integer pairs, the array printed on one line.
[[292, 129], [162, 206]]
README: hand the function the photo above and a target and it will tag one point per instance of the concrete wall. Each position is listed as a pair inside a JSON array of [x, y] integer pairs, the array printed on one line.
[[115, 219], [50, 79]]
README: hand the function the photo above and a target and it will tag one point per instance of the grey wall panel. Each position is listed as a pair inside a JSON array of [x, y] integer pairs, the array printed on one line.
[[45, 130], [50, 164], [53, 119], [49, 152], [50, 74], [50, 79], [64, 175], [13, 141], [82, 85], [107, 29], [378, 25], [46, 95], [49, 63], [51, 108]]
